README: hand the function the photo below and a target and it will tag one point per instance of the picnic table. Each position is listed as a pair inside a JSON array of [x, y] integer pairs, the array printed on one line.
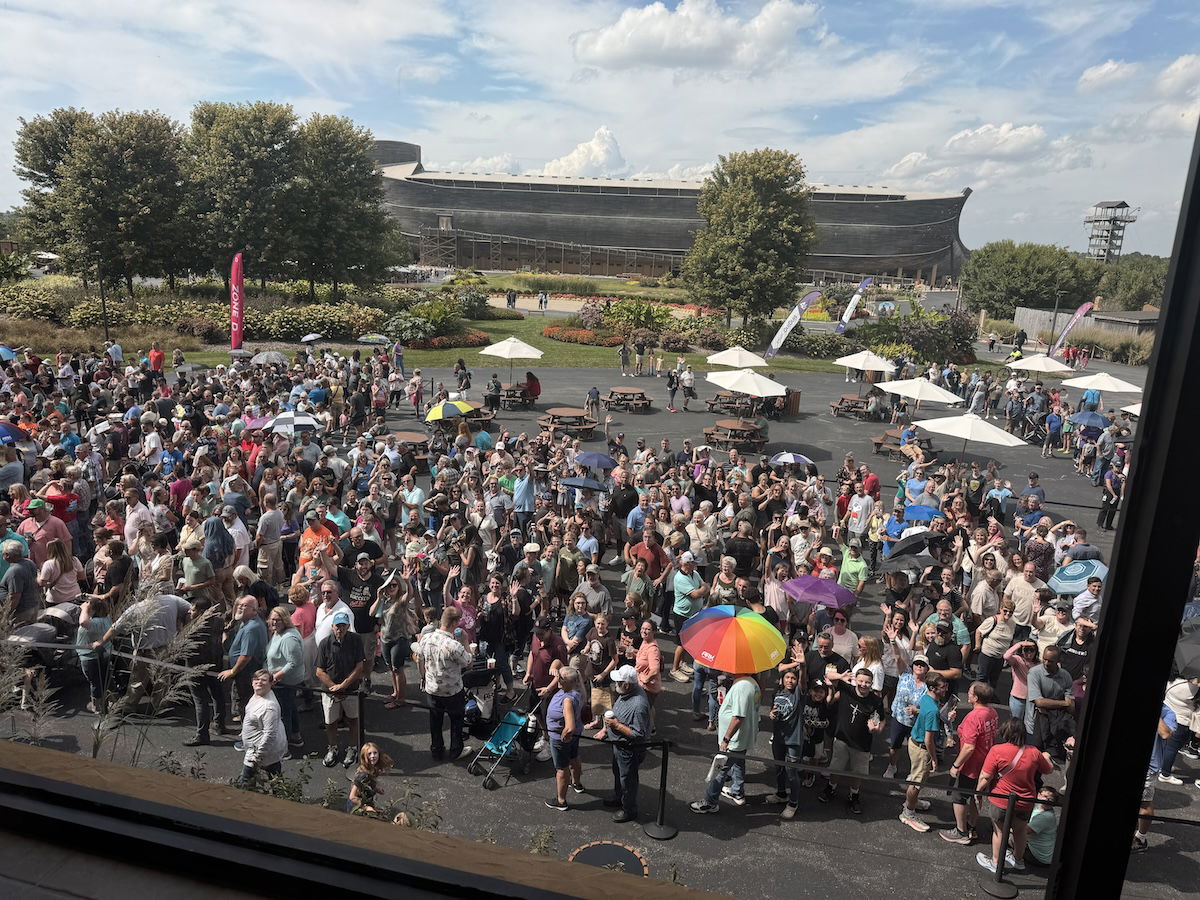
[[568, 420], [743, 434], [889, 443], [728, 401], [849, 404], [630, 398], [515, 396], [479, 418]]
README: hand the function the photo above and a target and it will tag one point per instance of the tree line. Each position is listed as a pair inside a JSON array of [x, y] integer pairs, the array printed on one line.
[[1002, 275], [124, 195]]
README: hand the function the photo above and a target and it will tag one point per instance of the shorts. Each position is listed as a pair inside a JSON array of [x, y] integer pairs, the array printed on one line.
[[335, 707], [677, 620], [396, 653], [1019, 815], [964, 783], [561, 754], [921, 762], [898, 733], [846, 759]]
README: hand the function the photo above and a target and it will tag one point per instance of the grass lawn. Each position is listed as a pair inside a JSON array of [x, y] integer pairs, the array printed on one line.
[[556, 354], [605, 287]]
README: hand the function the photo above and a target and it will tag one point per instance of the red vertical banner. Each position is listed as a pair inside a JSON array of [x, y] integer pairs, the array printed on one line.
[[237, 304]]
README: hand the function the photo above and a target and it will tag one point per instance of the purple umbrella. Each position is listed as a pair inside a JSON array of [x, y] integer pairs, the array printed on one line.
[[820, 591], [256, 422]]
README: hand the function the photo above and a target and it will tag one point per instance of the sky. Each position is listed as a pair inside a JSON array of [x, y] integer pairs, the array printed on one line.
[[1042, 107]]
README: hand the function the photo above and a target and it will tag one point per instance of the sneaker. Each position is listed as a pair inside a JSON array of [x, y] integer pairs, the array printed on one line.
[[91, 707], [910, 819], [954, 836], [679, 675], [1011, 864], [286, 756], [539, 745], [330, 759], [889, 772], [1140, 844], [555, 803], [543, 755], [985, 860], [196, 740], [699, 806], [922, 805], [809, 779], [854, 806], [826, 794], [239, 747], [686, 668], [296, 741], [1169, 779], [789, 812], [735, 799], [350, 758], [777, 798], [578, 788], [461, 752], [623, 816], [1190, 752]]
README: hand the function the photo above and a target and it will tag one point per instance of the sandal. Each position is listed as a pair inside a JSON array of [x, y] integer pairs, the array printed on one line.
[[392, 703]]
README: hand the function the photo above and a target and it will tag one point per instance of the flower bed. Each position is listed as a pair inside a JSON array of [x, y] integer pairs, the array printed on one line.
[[579, 336], [471, 337]]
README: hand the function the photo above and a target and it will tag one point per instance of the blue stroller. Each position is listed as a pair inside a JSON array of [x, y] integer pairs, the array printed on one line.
[[514, 737]]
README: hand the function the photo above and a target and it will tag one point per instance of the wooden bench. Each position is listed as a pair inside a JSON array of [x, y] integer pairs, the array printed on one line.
[[627, 404], [849, 407]]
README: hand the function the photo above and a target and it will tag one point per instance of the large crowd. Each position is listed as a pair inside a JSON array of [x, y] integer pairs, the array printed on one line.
[[274, 504]]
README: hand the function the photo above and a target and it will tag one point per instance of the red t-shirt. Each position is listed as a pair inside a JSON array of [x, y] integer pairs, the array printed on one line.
[[1018, 780], [978, 728], [543, 655], [656, 560], [871, 485], [156, 360], [64, 506]]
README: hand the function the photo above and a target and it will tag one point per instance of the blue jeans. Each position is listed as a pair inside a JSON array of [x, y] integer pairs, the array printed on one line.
[[625, 763], [1016, 708], [1172, 745], [95, 670], [288, 713], [787, 779], [440, 707], [732, 770], [704, 681], [1099, 468], [272, 770]]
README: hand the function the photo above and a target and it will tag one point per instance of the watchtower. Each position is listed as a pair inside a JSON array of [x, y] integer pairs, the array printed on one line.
[[1108, 219]]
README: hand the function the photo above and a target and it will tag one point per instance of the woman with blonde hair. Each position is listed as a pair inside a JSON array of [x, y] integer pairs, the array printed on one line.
[[60, 574]]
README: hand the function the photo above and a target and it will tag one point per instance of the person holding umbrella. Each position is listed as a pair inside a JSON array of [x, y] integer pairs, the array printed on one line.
[[737, 727]]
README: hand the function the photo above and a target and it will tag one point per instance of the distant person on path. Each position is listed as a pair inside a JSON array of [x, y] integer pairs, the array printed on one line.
[[688, 382], [510, 299], [543, 301], [623, 355], [1019, 340], [640, 349]]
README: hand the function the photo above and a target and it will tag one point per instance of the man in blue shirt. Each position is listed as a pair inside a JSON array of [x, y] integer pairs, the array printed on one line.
[[893, 528], [1034, 489], [524, 496], [247, 651], [168, 459], [1001, 492], [638, 515], [924, 747], [1090, 400]]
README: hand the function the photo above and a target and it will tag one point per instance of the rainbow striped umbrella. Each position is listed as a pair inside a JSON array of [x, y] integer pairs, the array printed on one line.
[[732, 639]]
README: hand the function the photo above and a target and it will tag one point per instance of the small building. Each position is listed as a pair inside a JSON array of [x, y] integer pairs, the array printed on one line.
[[1131, 323]]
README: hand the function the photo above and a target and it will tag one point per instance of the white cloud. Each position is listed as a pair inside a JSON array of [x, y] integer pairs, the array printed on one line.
[[1106, 74], [598, 157], [1181, 78], [678, 172], [696, 34], [1006, 140], [501, 162]]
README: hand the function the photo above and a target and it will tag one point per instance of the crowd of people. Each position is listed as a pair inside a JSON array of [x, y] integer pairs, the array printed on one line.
[[153, 496]]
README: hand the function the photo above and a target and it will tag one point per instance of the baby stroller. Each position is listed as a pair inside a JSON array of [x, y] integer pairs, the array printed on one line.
[[480, 680], [514, 737]]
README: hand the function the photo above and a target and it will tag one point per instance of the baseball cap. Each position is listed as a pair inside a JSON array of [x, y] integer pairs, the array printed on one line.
[[629, 614], [944, 626], [687, 556], [1061, 606], [228, 510], [341, 618], [855, 542], [592, 569], [37, 503], [533, 548], [310, 515], [920, 658], [429, 532], [514, 531], [825, 551], [362, 556], [328, 448], [627, 674]]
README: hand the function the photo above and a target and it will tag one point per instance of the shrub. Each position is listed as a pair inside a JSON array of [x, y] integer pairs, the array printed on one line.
[[500, 313], [556, 284], [580, 336], [408, 329], [443, 313], [591, 314], [894, 350], [645, 336], [32, 300], [341, 321], [627, 316], [816, 315], [472, 301], [1128, 349], [674, 342], [823, 346], [400, 299], [468, 337], [712, 337], [840, 292], [1002, 328], [206, 328]]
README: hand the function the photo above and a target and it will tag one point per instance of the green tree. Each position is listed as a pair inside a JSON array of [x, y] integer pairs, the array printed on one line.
[[750, 255], [242, 170], [340, 232], [41, 149], [1136, 280], [1002, 275], [120, 193]]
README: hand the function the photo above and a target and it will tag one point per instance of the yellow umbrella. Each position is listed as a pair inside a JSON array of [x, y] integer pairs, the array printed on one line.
[[447, 410]]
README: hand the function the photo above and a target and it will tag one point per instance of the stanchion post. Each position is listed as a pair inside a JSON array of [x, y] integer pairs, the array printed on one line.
[[659, 830], [997, 886], [362, 714]]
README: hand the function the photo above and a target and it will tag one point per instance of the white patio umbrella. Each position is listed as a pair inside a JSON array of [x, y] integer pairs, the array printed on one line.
[[738, 358], [970, 427], [1039, 362], [921, 389], [511, 348], [1134, 409], [1102, 381], [747, 381], [865, 361]]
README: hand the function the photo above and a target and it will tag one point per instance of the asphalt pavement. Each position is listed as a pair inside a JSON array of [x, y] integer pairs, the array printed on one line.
[[741, 851]]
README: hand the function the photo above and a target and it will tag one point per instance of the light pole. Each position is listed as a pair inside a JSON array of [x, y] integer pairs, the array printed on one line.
[[103, 301], [1054, 321]]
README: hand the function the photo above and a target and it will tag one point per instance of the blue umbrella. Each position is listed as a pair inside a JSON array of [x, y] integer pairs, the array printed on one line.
[[7, 354], [1089, 419], [1073, 578], [11, 434], [590, 484], [920, 513], [595, 460], [788, 458]]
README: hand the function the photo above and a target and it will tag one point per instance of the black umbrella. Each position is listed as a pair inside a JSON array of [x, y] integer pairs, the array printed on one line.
[[589, 483], [916, 543], [900, 564]]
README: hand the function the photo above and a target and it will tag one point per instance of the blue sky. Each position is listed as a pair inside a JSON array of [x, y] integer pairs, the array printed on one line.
[[1041, 106]]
